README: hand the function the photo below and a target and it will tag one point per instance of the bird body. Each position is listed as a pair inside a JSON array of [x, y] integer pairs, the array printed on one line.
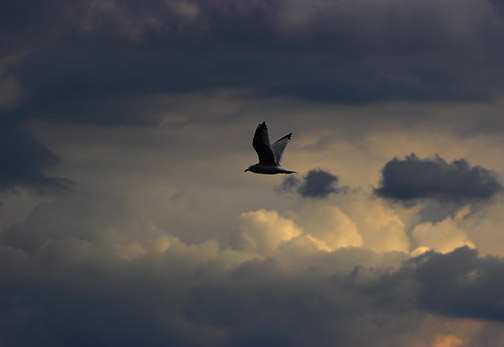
[[268, 169], [270, 156]]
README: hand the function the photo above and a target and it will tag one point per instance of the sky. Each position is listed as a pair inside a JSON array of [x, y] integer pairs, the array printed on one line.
[[126, 217]]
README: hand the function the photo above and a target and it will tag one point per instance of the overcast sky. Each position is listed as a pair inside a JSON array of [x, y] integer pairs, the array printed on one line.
[[126, 217]]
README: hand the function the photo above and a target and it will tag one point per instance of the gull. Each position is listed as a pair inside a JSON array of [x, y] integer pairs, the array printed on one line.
[[270, 156]]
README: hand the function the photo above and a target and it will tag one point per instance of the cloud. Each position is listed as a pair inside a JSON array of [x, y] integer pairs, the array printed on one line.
[[169, 244], [258, 301], [280, 289], [11, 92], [317, 184], [326, 51], [184, 9], [263, 231], [483, 228], [413, 179], [443, 236], [23, 161], [289, 184], [381, 227], [329, 227], [462, 284]]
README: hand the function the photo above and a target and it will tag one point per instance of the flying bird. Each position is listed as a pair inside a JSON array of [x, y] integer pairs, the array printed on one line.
[[270, 156]]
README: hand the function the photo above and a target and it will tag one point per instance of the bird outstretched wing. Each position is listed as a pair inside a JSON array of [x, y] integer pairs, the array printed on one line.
[[279, 147], [262, 145]]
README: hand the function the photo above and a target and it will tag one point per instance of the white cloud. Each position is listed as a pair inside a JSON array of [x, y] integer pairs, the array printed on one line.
[[328, 226], [262, 231], [381, 227]]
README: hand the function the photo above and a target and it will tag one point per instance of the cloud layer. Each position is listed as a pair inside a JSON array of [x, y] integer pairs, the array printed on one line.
[[325, 51], [70, 291]]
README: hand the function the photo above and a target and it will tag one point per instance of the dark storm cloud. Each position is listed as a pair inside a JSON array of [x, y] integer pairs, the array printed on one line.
[[99, 63], [412, 179], [73, 291], [94, 62], [317, 184], [63, 284], [83, 54], [23, 161], [462, 284], [63, 300]]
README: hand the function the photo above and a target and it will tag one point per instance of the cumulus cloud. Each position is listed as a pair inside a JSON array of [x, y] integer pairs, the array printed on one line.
[[413, 179], [317, 184], [262, 231], [329, 227], [381, 227]]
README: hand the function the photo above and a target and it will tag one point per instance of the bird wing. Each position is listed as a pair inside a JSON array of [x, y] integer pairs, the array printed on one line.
[[262, 145], [279, 147]]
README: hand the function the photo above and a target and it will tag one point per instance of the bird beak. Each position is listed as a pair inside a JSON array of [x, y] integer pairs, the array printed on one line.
[[246, 170]]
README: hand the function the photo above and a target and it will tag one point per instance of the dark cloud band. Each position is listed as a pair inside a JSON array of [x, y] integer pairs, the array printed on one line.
[[59, 298]]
